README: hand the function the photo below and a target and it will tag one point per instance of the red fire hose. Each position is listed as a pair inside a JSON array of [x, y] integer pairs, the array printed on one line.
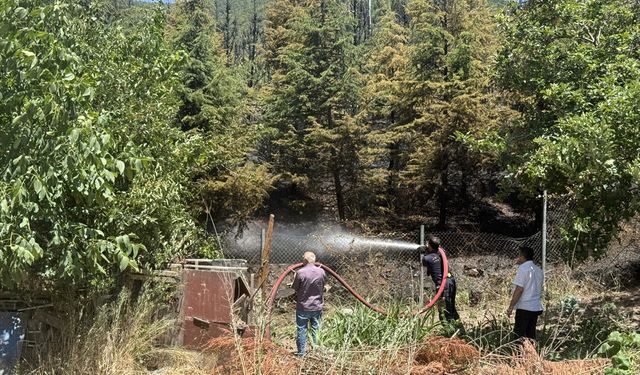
[[274, 290]]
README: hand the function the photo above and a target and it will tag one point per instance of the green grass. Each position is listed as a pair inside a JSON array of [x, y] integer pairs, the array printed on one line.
[[360, 327]]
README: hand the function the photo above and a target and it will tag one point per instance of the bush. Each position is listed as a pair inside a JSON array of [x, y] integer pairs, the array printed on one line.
[[624, 351]]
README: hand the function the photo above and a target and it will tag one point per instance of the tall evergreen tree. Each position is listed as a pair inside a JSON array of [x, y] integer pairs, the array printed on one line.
[[212, 105], [451, 50], [209, 94], [312, 98], [382, 112]]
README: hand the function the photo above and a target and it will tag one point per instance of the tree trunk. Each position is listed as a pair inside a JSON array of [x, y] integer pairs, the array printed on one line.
[[226, 35], [392, 169], [444, 184], [339, 194], [253, 44], [335, 171]]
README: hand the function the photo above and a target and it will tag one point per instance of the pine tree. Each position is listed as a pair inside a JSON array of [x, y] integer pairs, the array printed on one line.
[[382, 112], [312, 98], [209, 94], [452, 45], [212, 106]]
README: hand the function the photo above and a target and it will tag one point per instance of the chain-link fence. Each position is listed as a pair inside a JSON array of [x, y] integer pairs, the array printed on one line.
[[388, 269]]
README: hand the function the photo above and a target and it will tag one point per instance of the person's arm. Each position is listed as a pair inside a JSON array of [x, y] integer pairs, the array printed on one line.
[[517, 293], [425, 263], [519, 282], [296, 282]]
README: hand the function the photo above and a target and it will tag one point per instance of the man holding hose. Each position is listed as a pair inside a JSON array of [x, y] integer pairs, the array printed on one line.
[[309, 285], [430, 258]]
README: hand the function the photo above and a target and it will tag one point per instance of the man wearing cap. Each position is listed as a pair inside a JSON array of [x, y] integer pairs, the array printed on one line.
[[431, 259], [308, 284]]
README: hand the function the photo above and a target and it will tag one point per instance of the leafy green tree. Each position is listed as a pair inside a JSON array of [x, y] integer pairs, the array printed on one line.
[[91, 168], [573, 68]]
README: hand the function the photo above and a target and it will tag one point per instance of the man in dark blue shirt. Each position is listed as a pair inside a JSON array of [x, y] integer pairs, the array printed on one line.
[[431, 259]]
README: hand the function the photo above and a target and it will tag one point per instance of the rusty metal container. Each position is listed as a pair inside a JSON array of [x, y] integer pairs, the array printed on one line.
[[215, 300]]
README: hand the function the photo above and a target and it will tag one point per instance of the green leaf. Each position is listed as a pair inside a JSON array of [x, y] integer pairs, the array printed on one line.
[[20, 12], [120, 166], [37, 185], [18, 119], [124, 263], [126, 242], [28, 54], [110, 176], [622, 362]]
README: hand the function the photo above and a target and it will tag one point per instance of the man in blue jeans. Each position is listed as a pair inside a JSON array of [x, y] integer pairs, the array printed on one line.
[[309, 285]]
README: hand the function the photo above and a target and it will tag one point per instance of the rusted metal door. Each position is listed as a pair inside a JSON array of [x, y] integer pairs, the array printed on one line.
[[207, 305]]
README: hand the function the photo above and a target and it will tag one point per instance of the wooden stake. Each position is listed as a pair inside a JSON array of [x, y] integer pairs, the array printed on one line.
[[266, 250]]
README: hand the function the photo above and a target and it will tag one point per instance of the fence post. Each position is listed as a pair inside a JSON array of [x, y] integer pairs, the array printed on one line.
[[421, 294], [266, 250], [544, 233], [262, 236]]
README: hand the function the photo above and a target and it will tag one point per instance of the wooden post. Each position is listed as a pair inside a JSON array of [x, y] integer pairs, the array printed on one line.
[[266, 250], [421, 295]]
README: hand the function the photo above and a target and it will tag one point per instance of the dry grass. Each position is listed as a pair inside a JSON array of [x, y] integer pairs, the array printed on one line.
[[434, 356], [121, 339], [452, 353], [529, 362]]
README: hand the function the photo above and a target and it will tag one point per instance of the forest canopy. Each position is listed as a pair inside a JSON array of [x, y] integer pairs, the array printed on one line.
[[129, 129]]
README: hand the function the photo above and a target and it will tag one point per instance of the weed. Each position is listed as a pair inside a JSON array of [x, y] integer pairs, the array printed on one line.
[[361, 327], [624, 351]]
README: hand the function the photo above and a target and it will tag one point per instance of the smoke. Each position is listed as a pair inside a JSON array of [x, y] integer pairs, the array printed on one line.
[[327, 240]]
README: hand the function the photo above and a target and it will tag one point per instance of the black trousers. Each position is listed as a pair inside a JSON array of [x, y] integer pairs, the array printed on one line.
[[449, 296], [526, 322]]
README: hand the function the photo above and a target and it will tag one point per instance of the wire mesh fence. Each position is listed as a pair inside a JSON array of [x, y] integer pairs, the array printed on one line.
[[387, 269]]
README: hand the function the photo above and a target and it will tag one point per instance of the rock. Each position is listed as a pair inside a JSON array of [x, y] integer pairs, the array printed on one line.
[[474, 297], [473, 272]]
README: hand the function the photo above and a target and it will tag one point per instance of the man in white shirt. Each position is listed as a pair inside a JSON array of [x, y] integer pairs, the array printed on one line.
[[527, 295]]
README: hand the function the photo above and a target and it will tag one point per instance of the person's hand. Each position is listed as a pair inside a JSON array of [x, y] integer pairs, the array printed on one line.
[[509, 311]]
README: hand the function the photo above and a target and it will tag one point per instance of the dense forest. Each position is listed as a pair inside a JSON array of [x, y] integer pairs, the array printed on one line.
[[130, 128]]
